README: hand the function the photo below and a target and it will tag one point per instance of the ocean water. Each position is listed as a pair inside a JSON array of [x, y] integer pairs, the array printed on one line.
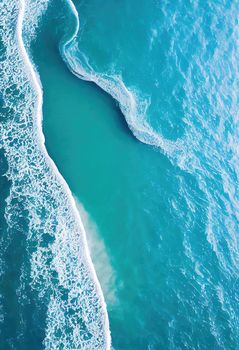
[[139, 110]]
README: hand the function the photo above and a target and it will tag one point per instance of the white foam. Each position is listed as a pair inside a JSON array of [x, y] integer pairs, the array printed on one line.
[[132, 104], [101, 259], [62, 271]]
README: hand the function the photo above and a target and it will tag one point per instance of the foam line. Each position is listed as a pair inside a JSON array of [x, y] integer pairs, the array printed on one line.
[[41, 140], [132, 104]]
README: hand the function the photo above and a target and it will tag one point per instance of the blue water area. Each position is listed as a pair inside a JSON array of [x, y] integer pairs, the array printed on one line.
[[140, 115], [162, 212]]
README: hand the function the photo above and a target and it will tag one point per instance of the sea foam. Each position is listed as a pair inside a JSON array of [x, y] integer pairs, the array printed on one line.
[[61, 268], [131, 102], [100, 256]]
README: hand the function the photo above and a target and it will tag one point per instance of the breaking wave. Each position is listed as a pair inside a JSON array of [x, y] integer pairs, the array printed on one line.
[[61, 268], [132, 104]]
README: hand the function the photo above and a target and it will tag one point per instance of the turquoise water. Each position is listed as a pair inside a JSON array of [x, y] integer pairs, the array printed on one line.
[[148, 147]]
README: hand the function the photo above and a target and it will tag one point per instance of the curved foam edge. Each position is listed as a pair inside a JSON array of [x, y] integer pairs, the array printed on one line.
[[40, 140], [131, 102], [35, 81]]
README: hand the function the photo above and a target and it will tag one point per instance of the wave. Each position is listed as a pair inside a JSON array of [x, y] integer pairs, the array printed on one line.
[[132, 104], [61, 270]]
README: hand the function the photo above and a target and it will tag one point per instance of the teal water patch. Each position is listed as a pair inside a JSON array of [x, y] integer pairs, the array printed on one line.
[[166, 216]]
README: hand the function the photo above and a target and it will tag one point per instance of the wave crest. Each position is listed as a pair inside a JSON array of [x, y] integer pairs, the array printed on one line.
[[132, 104]]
